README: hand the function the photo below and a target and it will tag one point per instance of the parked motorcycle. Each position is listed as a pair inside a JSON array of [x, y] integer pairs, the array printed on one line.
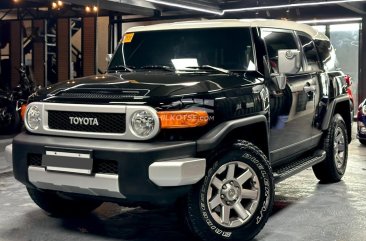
[[11, 103]]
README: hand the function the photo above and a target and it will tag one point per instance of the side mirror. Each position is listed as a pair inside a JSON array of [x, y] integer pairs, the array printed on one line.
[[289, 61]]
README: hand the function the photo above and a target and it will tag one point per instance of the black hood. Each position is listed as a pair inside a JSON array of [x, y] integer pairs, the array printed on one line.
[[145, 85]]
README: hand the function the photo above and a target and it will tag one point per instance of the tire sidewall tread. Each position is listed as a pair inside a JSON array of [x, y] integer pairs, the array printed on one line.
[[326, 171], [198, 217]]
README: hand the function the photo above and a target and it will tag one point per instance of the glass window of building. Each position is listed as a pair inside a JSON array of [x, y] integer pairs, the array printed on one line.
[[345, 40]]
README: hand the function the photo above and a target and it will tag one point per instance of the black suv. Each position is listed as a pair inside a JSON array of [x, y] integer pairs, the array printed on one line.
[[207, 114]]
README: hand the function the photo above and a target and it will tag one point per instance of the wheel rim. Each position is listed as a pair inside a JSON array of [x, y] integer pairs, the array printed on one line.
[[233, 194], [339, 148]]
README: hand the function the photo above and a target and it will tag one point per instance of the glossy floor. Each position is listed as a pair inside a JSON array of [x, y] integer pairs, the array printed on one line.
[[304, 210]]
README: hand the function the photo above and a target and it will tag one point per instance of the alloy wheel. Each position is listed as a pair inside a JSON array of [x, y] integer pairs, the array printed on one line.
[[233, 194]]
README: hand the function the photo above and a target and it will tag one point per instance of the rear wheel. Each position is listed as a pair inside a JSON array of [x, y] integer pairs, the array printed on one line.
[[335, 144], [235, 199], [58, 205]]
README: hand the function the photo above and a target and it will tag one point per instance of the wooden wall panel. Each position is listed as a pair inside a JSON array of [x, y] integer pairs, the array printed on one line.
[[63, 49], [39, 58], [89, 33], [16, 47]]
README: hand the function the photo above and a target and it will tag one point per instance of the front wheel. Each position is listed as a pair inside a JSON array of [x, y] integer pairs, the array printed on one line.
[[335, 144], [235, 199], [57, 205]]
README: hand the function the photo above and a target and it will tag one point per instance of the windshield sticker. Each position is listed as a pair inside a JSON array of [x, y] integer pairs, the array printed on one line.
[[128, 38]]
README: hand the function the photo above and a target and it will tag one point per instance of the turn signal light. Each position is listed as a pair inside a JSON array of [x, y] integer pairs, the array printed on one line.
[[23, 109], [182, 119]]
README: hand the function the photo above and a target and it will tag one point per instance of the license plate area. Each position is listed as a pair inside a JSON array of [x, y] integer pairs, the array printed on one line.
[[68, 160]]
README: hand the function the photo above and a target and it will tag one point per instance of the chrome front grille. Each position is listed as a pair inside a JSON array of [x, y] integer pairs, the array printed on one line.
[[114, 121], [104, 122]]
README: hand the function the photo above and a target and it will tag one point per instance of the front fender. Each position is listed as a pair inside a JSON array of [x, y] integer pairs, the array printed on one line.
[[215, 137], [340, 105]]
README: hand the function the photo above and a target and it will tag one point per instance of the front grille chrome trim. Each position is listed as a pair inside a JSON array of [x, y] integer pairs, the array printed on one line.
[[44, 129]]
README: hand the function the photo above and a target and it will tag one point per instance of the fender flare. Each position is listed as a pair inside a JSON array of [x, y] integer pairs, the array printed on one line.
[[213, 138], [331, 109]]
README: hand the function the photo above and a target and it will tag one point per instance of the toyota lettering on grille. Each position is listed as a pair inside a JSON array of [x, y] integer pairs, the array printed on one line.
[[83, 121]]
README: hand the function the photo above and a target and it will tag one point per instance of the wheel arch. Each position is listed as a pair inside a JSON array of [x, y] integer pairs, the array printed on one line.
[[253, 129], [341, 106]]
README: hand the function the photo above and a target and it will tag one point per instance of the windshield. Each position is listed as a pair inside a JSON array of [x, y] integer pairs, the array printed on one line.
[[189, 49]]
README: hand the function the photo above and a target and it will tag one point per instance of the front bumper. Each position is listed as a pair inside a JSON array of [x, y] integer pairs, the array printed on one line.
[[156, 172]]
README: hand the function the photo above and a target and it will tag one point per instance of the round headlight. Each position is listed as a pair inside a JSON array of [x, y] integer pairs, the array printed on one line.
[[33, 117], [143, 123]]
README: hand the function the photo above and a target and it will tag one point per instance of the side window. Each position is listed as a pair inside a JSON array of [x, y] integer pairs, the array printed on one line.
[[310, 52], [276, 40]]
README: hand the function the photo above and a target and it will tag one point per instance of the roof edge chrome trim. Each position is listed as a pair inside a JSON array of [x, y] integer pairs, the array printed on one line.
[[227, 23]]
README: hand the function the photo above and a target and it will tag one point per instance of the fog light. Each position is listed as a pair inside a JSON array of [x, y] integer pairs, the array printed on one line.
[[33, 117]]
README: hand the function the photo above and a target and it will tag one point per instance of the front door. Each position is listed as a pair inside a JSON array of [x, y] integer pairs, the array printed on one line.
[[293, 109]]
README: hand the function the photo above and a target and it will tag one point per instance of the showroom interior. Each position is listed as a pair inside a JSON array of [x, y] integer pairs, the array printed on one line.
[[51, 42]]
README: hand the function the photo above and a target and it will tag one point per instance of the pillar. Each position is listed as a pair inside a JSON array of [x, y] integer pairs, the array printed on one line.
[[63, 49], [88, 38], [16, 49], [39, 52]]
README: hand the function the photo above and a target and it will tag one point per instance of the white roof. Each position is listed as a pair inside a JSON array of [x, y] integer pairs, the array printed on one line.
[[224, 23]]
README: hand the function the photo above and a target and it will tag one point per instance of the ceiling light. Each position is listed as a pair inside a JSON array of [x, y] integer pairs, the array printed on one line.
[[57, 5], [342, 20], [293, 5], [95, 9], [87, 9], [218, 12]]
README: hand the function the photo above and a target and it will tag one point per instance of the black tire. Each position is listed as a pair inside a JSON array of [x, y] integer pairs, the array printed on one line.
[[201, 220], [330, 170], [60, 206]]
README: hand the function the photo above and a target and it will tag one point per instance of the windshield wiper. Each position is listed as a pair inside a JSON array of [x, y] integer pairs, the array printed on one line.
[[158, 67], [119, 68], [203, 67]]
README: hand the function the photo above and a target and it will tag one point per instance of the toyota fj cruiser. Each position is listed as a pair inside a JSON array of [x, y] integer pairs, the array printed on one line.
[[207, 114]]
